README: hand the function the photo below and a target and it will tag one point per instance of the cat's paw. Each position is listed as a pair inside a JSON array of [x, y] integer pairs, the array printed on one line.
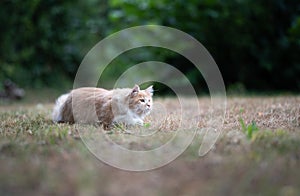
[[139, 122]]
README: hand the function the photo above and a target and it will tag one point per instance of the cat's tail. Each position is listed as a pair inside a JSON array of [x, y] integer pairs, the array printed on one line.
[[57, 111]]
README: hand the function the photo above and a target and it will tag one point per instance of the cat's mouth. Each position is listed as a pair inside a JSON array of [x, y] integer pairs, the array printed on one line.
[[147, 110], [144, 111]]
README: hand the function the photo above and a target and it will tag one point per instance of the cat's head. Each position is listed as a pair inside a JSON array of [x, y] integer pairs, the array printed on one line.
[[140, 101]]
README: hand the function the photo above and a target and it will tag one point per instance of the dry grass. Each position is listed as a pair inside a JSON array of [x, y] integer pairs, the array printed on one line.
[[38, 157]]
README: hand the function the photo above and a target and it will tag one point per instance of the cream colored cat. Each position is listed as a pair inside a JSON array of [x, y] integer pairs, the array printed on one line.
[[107, 107]]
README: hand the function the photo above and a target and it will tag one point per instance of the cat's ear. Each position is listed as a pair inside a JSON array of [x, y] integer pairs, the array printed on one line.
[[135, 90], [150, 90]]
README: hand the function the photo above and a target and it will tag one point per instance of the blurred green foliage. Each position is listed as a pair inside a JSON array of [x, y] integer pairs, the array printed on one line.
[[43, 41], [256, 44]]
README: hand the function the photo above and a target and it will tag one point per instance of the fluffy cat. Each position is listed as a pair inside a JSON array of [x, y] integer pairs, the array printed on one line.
[[107, 107]]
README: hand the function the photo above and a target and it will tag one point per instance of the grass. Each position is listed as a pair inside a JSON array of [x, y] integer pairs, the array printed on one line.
[[250, 129], [38, 157]]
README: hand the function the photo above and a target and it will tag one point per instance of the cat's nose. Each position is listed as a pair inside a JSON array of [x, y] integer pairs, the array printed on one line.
[[148, 105]]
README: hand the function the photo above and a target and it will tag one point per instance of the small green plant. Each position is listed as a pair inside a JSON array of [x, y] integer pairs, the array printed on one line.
[[121, 126], [250, 129], [147, 125]]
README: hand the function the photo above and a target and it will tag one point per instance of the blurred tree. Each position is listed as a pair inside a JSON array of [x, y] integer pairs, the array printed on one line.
[[256, 44], [43, 42]]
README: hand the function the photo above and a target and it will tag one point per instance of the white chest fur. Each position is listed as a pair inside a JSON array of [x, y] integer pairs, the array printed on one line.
[[128, 118]]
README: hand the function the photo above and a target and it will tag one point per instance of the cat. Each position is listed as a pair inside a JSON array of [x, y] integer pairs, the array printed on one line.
[[127, 106]]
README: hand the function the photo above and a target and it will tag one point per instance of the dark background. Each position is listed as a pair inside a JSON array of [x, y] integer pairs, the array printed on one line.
[[256, 44]]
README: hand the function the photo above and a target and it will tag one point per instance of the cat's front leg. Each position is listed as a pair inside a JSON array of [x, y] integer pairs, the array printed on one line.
[[138, 121]]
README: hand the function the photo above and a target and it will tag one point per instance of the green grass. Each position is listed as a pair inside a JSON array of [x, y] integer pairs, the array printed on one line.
[[250, 129]]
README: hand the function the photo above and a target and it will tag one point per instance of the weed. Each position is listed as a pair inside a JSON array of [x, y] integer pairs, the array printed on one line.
[[147, 125], [250, 129]]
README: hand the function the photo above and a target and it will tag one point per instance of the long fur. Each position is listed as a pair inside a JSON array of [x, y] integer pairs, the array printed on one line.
[[97, 105], [57, 111]]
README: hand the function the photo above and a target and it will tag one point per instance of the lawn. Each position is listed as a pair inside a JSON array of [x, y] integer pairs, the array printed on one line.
[[39, 157]]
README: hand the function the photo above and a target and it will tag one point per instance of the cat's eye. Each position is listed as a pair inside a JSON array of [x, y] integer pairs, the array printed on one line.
[[142, 100]]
